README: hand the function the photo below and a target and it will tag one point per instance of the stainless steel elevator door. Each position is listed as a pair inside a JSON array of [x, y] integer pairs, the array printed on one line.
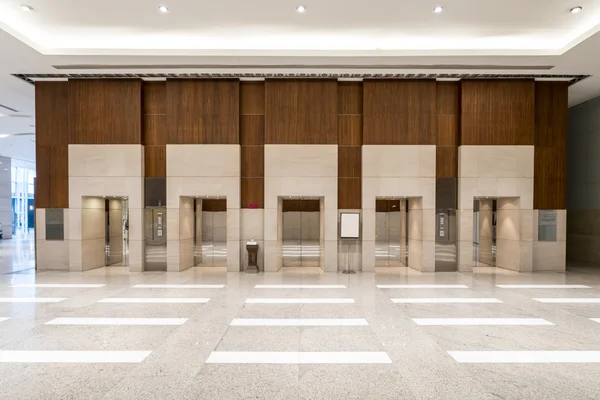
[[301, 237], [155, 232], [114, 232], [213, 240], [391, 221]]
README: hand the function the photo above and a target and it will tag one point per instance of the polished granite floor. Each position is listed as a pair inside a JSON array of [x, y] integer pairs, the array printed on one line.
[[396, 334]]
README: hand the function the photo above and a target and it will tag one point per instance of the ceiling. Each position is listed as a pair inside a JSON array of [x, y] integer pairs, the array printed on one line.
[[334, 37]]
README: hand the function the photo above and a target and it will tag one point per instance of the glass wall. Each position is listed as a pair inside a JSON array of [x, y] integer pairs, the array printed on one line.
[[22, 183]]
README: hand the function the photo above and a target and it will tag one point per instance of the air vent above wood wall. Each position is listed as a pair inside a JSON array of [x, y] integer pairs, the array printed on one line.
[[31, 78]]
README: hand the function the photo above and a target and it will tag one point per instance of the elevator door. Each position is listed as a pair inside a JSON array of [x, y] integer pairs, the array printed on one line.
[[301, 233], [210, 248], [391, 238], [155, 230], [114, 241]]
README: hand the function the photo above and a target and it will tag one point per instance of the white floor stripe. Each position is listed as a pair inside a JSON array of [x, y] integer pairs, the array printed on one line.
[[118, 321], [595, 319], [31, 299], [299, 322], [294, 357], [525, 357], [481, 321], [422, 286], [34, 356], [298, 301], [154, 300], [543, 286], [58, 285], [300, 287], [169, 286], [568, 300], [4, 319], [434, 300]]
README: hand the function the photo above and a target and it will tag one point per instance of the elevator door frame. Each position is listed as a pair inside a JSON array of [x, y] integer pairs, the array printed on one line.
[[210, 255], [393, 250], [155, 233], [303, 250]]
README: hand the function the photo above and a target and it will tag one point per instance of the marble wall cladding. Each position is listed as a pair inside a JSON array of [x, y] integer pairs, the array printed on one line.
[[552, 256], [180, 251], [105, 170], [203, 160], [5, 197], [203, 171], [296, 171], [93, 233], [494, 171], [52, 254], [400, 171]]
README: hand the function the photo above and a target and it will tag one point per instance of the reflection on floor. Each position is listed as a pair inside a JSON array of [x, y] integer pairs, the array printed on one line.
[[209, 334], [17, 254]]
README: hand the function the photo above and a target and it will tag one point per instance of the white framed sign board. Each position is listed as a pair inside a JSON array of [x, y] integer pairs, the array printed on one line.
[[350, 225]]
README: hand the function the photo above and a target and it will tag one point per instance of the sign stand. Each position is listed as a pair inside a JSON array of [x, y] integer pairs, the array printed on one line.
[[349, 232]]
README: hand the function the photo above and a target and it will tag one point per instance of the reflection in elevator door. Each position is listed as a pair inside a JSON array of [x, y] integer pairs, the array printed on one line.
[[155, 229], [301, 233], [391, 237], [210, 248]]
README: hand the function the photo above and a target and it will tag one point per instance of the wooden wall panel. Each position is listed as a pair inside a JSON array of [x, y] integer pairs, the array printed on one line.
[[203, 111], [252, 140], [252, 130], [550, 159], [301, 111], [52, 139], [105, 111], [448, 130], [155, 161], [214, 205], [252, 98], [399, 112], [497, 112], [155, 98], [294, 205], [446, 162], [350, 130], [350, 140], [253, 161], [551, 114], [448, 97], [350, 98], [349, 162], [253, 192], [349, 193]]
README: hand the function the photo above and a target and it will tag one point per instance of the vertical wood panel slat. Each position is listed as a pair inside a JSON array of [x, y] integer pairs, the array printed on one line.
[[105, 111], [349, 193], [155, 161], [253, 192], [203, 111], [301, 111], [252, 98]]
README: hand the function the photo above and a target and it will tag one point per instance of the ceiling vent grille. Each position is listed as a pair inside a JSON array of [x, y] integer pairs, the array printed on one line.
[[31, 78]]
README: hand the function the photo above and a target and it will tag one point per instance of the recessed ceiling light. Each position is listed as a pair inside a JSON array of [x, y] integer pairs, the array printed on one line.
[[576, 10], [438, 9], [300, 8], [163, 9], [26, 7]]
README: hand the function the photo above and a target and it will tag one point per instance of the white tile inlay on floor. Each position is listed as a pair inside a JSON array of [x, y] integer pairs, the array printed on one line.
[[118, 321], [422, 286], [294, 357], [543, 286], [170, 286], [299, 301], [31, 299], [58, 285], [154, 300], [299, 322], [4, 319], [36, 356], [481, 321], [439, 300], [568, 300], [300, 287], [525, 357], [595, 319]]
